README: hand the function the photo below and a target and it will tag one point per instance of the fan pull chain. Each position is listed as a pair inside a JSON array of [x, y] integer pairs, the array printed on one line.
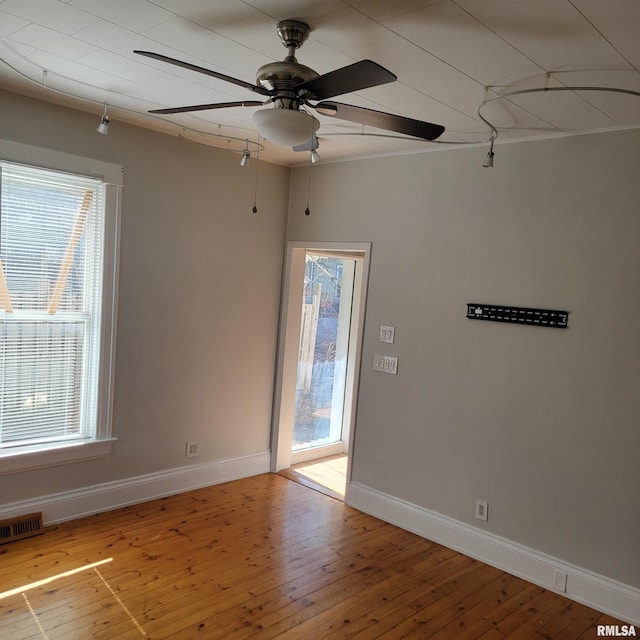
[[255, 188], [307, 211]]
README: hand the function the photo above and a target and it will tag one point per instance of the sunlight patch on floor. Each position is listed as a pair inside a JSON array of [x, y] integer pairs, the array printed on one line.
[[44, 598], [50, 579], [328, 472]]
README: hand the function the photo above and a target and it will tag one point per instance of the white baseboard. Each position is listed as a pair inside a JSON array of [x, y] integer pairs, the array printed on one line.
[[596, 591], [68, 505]]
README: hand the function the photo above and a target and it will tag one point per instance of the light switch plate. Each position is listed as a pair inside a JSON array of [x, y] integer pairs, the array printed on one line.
[[387, 334], [385, 364]]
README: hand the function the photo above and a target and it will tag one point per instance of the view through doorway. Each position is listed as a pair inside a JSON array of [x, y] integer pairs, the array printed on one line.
[[323, 355]]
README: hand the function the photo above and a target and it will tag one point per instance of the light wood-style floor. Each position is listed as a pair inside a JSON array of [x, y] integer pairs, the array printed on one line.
[[263, 558], [327, 475]]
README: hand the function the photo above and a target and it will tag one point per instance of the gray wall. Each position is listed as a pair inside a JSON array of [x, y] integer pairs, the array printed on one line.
[[543, 423], [199, 297]]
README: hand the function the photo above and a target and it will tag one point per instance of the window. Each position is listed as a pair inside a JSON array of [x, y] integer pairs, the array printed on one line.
[[57, 276]]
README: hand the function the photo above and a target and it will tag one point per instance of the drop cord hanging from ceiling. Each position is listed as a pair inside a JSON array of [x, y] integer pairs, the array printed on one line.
[[307, 211], [255, 187]]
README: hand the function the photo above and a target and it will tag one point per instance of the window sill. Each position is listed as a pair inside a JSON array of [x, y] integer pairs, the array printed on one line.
[[28, 460]]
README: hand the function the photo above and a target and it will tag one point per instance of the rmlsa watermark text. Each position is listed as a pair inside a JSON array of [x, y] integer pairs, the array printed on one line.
[[613, 630]]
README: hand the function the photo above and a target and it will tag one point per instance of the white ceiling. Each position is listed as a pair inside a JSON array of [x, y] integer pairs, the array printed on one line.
[[444, 52]]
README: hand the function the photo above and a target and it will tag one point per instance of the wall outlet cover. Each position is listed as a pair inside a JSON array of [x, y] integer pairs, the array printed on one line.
[[192, 449], [482, 510], [560, 581]]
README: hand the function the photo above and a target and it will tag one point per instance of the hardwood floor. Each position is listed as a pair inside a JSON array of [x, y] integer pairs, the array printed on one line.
[[263, 558]]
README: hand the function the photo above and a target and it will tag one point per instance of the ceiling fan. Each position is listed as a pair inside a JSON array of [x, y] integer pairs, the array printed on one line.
[[290, 86]]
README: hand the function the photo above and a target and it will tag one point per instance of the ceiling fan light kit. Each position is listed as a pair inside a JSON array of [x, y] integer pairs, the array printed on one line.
[[286, 126]]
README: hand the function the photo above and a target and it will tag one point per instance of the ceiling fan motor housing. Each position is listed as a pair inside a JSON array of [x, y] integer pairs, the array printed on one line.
[[282, 77], [286, 124]]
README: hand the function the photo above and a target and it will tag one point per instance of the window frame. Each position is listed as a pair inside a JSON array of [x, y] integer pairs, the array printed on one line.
[[112, 175]]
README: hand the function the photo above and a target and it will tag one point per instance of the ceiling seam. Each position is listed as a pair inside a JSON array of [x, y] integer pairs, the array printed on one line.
[[453, 66], [613, 46], [546, 71], [398, 35]]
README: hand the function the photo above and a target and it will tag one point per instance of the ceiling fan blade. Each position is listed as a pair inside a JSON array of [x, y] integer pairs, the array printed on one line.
[[208, 72], [356, 76], [204, 107], [381, 120]]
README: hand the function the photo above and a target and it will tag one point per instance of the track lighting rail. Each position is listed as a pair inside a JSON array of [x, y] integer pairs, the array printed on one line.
[[546, 89]]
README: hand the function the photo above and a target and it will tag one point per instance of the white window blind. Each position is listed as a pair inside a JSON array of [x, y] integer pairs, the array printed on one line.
[[51, 262]]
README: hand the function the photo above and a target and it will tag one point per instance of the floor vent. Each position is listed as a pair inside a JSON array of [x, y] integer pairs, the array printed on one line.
[[21, 527]]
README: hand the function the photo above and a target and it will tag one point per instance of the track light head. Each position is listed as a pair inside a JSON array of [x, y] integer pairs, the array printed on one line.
[[488, 161], [103, 127], [246, 154]]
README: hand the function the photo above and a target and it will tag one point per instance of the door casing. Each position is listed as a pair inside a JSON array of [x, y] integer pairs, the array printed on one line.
[[289, 341]]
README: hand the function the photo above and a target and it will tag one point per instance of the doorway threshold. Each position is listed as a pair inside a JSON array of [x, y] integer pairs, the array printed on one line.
[[326, 475]]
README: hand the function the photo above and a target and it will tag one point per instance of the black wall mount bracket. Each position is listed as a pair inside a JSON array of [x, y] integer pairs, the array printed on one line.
[[518, 315]]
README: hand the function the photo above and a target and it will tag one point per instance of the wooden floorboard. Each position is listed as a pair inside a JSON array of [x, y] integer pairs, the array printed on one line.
[[263, 558]]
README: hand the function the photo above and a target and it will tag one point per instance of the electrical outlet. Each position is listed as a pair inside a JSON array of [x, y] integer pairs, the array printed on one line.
[[560, 581], [387, 334], [482, 510], [192, 449]]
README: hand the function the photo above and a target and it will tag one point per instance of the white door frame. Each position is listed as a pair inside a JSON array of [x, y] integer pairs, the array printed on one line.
[[289, 342]]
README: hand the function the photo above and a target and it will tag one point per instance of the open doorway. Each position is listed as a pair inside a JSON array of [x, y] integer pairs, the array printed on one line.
[[319, 361]]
